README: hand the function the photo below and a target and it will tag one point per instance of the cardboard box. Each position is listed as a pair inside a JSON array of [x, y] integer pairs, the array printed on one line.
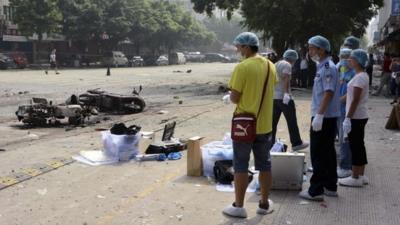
[[194, 157], [287, 170], [146, 140]]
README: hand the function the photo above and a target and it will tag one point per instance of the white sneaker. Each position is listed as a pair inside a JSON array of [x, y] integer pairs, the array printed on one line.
[[330, 193], [235, 211], [364, 179], [304, 194], [351, 182], [342, 173], [300, 147], [262, 210]]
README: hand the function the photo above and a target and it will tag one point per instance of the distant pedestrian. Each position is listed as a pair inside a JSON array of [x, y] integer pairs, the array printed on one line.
[[324, 114], [385, 76], [53, 62], [357, 118], [395, 80], [370, 67], [304, 72], [284, 103], [247, 84]]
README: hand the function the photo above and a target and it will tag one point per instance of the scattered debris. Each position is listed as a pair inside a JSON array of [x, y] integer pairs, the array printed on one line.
[[288, 222], [304, 203], [176, 97], [189, 71], [2, 150], [42, 191], [223, 89], [162, 112], [101, 196], [179, 217], [324, 205], [180, 102], [33, 136], [177, 71]]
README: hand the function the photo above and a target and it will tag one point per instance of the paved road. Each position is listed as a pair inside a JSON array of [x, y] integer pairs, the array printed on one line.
[[159, 193]]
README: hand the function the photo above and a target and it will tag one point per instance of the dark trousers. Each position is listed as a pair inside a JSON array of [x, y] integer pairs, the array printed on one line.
[[323, 158], [303, 78], [289, 111], [356, 142]]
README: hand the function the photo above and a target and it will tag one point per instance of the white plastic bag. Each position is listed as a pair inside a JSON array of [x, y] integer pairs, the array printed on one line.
[[121, 147], [213, 152], [278, 146]]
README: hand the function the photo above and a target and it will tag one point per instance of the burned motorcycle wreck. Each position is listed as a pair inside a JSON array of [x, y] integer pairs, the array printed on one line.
[[77, 110]]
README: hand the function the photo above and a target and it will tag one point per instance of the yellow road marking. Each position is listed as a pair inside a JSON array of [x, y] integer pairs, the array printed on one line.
[[106, 219], [8, 181], [31, 172]]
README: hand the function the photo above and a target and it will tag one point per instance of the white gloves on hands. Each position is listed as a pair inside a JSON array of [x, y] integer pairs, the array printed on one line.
[[286, 98], [346, 125], [227, 98], [317, 122]]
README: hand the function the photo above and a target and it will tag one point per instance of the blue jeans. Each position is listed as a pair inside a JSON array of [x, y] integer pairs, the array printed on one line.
[[345, 153]]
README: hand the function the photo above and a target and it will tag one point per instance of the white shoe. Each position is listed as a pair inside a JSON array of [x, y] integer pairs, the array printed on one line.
[[351, 182], [342, 173], [235, 211], [364, 179], [330, 193], [262, 210], [300, 147], [304, 194]]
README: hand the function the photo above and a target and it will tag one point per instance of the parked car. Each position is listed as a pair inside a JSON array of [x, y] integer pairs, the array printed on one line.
[[19, 58], [136, 61], [216, 57], [176, 58], [194, 57], [115, 58], [6, 62], [162, 61]]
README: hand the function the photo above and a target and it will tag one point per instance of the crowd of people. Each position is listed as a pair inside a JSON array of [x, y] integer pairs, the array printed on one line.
[[339, 108]]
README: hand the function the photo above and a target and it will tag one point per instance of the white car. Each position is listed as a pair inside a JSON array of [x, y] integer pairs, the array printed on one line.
[[115, 58], [162, 61]]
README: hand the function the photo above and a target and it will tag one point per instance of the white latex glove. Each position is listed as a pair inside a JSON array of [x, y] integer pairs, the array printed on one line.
[[317, 122], [227, 98], [346, 125], [286, 98]]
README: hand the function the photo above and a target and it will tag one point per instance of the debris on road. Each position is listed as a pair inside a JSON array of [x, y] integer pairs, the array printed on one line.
[[42, 191]]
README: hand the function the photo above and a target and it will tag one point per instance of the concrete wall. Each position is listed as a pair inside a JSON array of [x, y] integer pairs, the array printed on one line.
[[384, 13]]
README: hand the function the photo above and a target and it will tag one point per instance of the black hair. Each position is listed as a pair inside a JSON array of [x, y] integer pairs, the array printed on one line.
[[254, 49]]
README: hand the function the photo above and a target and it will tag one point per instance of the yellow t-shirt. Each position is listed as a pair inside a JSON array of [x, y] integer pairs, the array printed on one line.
[[248, 78]]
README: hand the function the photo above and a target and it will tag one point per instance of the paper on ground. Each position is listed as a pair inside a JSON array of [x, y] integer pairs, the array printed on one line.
[[94, 158]]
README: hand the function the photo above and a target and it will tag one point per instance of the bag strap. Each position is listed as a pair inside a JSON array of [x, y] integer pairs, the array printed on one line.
[[265, 87]]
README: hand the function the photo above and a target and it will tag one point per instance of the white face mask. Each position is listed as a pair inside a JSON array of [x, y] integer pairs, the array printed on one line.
[[315, 58]]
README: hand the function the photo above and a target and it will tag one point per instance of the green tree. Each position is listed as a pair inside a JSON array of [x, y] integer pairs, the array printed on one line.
[[37, 17], [290, 23], [92, 20]]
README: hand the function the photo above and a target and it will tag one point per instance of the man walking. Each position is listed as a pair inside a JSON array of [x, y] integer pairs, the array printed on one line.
[[283, 102], [324, 112], [247, 91], [53, 62]]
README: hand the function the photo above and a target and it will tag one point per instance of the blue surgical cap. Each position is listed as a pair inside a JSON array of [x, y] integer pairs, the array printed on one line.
[[320, 42], [345, 52], [291, 55], [246, 38], [352, 42], [360, 56]]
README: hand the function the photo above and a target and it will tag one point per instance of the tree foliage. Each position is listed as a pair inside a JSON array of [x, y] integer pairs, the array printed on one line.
[[37, 17], [157, 25], [290, 23]]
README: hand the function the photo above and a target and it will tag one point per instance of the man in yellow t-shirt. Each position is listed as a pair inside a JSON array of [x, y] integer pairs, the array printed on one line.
[[246, 86]]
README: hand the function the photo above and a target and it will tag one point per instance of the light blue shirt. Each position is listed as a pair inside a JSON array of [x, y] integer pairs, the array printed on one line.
[[326, 79]]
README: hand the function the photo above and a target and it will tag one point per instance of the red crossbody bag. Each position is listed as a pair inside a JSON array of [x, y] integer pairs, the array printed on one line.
[[244, 125]]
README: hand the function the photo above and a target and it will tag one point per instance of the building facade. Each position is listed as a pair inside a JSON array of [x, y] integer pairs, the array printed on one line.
[[388, 28]]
